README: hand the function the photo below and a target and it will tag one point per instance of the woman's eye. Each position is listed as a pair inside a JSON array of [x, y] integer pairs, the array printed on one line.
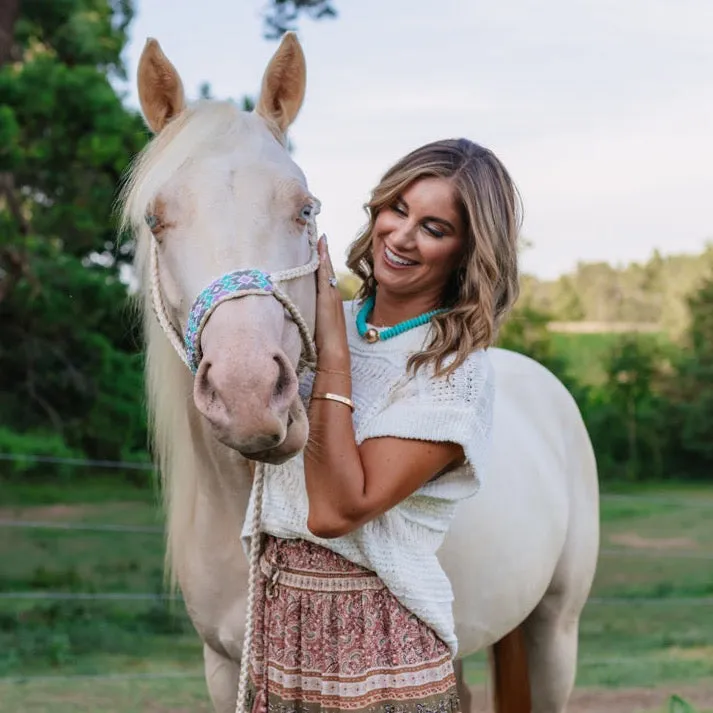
[[398, 209], [434, 231]]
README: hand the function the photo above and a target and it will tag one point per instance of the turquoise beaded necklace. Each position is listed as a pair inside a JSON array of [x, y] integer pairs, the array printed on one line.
[[374, 335]]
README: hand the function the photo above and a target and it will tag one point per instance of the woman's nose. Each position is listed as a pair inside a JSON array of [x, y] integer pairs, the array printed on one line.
[[403, 235]]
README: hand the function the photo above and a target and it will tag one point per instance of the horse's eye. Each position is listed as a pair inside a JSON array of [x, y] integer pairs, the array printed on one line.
[[152, 221], [306, 212]]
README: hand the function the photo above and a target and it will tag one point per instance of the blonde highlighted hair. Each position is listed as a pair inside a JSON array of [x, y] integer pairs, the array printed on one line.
[[485, 285]]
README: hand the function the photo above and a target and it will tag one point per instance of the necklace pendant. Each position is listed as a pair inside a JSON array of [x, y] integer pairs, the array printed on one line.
[[371, 335]]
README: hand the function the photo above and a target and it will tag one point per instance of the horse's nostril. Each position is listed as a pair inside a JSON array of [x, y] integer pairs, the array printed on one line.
[[283, 378], [285, 386], [205, 385]]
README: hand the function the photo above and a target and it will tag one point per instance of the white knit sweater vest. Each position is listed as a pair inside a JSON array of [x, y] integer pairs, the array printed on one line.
[[400, 545]]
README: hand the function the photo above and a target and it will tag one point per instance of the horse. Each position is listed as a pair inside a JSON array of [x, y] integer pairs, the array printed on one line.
[[216, 193]]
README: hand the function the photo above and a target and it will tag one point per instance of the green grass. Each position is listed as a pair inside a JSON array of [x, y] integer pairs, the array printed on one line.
[[645, 548], [103, 487], [621, 645], [184, 694]]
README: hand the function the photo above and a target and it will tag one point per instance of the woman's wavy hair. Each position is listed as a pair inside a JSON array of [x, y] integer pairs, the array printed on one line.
[[485, 285]]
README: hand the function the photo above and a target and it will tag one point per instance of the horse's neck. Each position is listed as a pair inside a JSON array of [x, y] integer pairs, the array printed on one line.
[[224, 478], [207, 554], [221, 492]]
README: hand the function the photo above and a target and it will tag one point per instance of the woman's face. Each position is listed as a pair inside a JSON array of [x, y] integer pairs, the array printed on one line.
[[418, 240]]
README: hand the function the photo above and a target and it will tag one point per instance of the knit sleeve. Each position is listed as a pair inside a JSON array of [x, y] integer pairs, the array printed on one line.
[[457, 409]]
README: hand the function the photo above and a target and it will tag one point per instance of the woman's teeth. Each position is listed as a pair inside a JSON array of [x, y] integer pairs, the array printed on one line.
[[394, 258]]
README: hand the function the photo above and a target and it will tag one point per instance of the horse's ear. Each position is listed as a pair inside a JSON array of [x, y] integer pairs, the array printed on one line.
[[160, 88], [283, 85]]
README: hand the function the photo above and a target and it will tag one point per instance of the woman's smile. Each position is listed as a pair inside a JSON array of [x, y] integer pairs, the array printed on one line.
[[393, 259]]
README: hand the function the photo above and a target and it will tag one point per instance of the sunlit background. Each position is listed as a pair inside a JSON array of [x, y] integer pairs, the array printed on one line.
[[601, 110]]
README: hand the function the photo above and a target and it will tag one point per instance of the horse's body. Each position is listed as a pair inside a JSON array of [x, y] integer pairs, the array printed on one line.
[[523, 551]]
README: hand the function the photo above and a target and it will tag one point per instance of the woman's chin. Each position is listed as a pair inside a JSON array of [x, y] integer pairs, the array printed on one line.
[[395, 280]]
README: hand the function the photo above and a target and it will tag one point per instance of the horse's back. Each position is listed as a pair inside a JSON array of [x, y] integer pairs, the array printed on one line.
[[506, 543]]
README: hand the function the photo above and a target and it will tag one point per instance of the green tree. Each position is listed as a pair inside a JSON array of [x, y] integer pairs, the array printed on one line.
[[566, 302], [635, 432], [67, 343], [70, 362], [693, 384], [282, 15], [525, 331]]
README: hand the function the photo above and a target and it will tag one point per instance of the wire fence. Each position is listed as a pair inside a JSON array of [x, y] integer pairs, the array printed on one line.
[[79, 462], [146, 466], [154, 597], [148, 596], [609, 661], [79, 526], [157, 530]]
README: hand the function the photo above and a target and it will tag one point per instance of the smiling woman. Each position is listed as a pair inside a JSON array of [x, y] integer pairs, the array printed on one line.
[[442, 232], [400, 419]]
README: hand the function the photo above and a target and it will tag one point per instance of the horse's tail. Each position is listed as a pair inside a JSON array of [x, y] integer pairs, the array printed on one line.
[[511, 683]]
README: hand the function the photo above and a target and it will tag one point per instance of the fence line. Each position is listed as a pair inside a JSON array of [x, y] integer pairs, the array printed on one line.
[[668, 554], [87, 462], [478, 665], [88, 596], [82, 462], [688, 601], [101, 677], [656, 500], [156, 530], [149, 596], [45, 525]]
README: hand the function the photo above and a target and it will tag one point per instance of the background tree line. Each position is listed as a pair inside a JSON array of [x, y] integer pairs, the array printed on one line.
[[646, 397], [653, 293], [70, 351]]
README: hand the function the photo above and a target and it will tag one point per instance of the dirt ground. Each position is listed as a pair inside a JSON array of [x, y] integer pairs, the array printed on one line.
[[623, 700]]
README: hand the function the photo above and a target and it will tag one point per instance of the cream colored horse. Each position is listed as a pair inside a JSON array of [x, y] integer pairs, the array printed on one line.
[[220, 192]]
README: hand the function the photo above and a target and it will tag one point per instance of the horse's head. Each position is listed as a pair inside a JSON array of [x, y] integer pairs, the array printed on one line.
[[221, 211]]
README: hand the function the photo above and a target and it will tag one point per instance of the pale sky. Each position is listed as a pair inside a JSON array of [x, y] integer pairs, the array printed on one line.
[[602, 110]]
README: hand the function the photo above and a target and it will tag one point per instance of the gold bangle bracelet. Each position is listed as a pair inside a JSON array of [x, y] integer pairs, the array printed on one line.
[[335, 397]]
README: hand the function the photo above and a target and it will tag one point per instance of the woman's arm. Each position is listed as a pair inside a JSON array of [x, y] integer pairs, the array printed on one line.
[[349, 485]]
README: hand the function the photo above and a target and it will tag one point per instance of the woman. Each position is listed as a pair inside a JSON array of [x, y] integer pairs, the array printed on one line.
[[353, 610]]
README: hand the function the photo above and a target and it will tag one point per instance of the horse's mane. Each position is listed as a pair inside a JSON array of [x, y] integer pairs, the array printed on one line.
[[169, 385]]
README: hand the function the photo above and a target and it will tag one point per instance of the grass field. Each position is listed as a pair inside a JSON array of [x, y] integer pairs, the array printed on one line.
[[657, 547]]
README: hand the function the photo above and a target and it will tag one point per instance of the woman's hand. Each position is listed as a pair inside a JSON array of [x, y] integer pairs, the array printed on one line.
[[330, 329]]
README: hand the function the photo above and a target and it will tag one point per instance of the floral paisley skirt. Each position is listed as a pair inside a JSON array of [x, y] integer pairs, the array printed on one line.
[[329, 636]]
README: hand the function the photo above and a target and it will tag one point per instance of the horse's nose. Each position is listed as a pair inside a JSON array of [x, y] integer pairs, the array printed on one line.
[[247, 404]]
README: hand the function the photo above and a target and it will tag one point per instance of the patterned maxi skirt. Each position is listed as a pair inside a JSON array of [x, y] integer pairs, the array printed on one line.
[[329, 637]]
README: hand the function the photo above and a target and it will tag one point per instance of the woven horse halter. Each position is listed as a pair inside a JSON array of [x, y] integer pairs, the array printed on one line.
[[230, 286], [233, 285]]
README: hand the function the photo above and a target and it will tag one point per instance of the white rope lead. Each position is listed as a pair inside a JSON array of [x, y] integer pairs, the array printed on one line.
[[254, 559], [160, 308]]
